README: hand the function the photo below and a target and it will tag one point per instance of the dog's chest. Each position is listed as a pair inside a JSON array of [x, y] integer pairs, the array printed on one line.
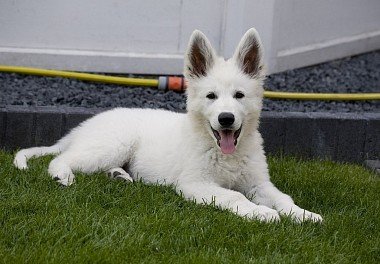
[[226, 170]]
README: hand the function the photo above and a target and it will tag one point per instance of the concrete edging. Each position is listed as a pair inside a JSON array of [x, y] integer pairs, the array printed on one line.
[[348, 137]]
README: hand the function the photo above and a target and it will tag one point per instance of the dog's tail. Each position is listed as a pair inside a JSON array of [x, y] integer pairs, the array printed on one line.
[[23, 155]]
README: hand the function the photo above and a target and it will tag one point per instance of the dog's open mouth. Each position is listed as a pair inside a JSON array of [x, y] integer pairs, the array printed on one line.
[[227, 139]]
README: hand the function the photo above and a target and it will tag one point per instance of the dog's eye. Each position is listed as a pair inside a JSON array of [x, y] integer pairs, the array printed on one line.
[[211, 96], [239, 95]]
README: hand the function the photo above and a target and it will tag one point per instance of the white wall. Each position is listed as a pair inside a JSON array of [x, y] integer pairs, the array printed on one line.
[[312, 31], [150, 36]]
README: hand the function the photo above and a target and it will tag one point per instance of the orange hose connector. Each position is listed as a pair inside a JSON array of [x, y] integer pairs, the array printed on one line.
[[173, 83]]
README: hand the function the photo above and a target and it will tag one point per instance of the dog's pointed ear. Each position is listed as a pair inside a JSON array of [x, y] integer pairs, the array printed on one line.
[[248, 54], [199, 57]]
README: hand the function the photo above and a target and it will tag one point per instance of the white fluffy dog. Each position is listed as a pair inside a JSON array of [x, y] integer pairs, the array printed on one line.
[[211, 154]]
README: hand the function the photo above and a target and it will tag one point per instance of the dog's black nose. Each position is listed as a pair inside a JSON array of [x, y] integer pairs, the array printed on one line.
[[226, 119]]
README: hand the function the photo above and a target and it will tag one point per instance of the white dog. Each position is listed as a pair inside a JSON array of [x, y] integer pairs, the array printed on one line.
[[211, 154]]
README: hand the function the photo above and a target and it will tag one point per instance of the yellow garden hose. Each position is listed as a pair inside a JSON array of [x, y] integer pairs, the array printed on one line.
[[323, 96], [178, 84], [81, 76]]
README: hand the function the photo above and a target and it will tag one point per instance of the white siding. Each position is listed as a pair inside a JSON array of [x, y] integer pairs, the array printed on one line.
[[150, 36]]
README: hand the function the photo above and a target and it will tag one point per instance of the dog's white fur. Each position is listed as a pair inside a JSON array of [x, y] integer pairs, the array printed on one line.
[[181, 149]]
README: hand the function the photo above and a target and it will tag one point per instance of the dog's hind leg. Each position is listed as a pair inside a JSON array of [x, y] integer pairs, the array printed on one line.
[[60, 171], [119, 174], [89, 157]]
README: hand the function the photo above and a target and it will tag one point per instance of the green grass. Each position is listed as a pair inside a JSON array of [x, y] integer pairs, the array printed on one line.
[[101, 221]]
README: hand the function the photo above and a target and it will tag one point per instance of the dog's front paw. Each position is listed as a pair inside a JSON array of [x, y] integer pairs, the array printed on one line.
[[300, 215], [261, 213], [266, 214], [310, 216]]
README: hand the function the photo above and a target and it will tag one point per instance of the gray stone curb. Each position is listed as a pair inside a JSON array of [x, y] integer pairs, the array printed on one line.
[[345, 137]]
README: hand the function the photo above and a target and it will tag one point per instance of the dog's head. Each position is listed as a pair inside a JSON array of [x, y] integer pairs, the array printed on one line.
[[225, 96]]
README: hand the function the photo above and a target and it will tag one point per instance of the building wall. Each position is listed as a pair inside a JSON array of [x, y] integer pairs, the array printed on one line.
[[150, 36], [311, 31]]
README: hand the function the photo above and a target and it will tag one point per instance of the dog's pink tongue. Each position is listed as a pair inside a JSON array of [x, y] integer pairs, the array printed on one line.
[[227, 141]]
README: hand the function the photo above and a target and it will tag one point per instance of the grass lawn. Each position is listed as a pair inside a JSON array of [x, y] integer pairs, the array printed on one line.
[[103, 221]]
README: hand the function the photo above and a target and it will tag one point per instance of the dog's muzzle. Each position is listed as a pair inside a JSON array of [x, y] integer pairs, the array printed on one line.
[[227, 139]]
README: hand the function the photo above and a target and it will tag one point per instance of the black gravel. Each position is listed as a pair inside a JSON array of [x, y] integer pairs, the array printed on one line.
[[356, 74]]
